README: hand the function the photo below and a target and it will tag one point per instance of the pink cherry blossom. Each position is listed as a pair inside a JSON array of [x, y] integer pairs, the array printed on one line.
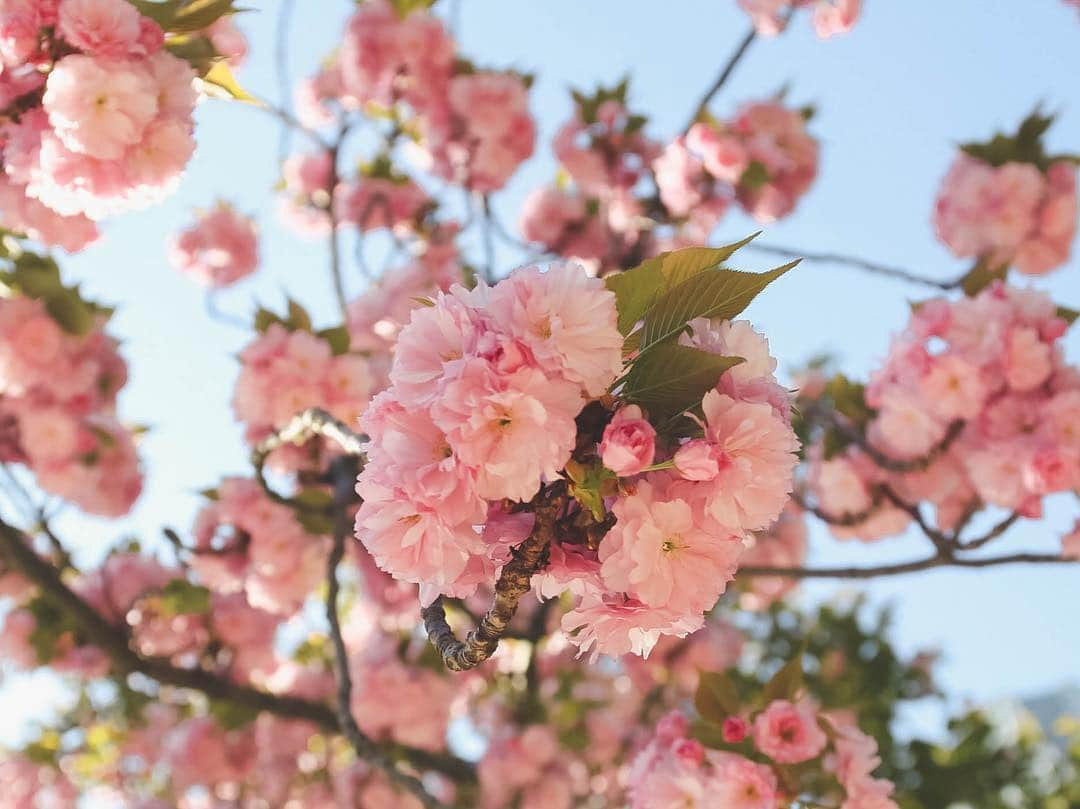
[[219, 249], [788, 733]]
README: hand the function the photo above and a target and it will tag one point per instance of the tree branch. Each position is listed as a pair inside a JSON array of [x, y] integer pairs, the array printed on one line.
[[513, 583], [721, 79], [114, 641], [900, 568], [855, 262], [343, 474]]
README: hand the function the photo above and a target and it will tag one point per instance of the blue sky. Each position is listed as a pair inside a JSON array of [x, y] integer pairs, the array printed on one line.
[[893, 99]]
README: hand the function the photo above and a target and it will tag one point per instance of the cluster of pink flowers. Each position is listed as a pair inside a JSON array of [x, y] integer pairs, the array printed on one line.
[[486, 385], [675, 770], [1010, 214], [482, 131], [764, 158], [782, 545], [219, 249], [371, 203], [680, 533], [285, 372], [58, 409], [598, 220], [245, 542], [830, 17], [105, 127], [992, 366]]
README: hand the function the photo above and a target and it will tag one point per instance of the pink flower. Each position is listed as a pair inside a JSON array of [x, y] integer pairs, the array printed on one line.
[[615, 625], [629, 442], [756, 450], [698, 460], [1028, 360], [788, 733], [99, 108], [735, 729], [665, 552], [513, 429], [834, 17], [105, 28], [567, 320], [219, 249], [739, 783], [953, 388]]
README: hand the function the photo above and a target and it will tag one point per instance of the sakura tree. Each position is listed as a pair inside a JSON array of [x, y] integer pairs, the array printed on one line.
[[512, 534]]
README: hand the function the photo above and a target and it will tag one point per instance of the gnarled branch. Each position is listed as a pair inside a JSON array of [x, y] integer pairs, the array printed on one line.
[[513, 583]]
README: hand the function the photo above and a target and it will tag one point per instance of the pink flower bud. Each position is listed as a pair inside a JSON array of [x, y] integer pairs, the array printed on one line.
[[629, 442], [735, 729], [672, 726], [689, 750]]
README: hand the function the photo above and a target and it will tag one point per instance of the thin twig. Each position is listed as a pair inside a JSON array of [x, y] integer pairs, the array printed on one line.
[[899, 465], [900, 568], [865, 265], [281, 70], [725, 74], [944, 544], [335, 237], [114, 641], [992, 534], [343, 474]]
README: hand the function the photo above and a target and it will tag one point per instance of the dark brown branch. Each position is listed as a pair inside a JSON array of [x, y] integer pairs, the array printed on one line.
[[721, 79], [992, 534], [855, 262], [899, 465], [513, 583], [848, 520], [944, 544], [901, 568], [344, 473], [114, 641]]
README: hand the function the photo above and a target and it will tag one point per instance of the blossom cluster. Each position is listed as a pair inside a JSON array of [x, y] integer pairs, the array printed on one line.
[[981, 387], [100, 116], [753, 768], [829, 17], [218, 249], [286, 370], [482, 415], [245, 542], [470, 126], [1010, 214], [764, 158], [58, 408]]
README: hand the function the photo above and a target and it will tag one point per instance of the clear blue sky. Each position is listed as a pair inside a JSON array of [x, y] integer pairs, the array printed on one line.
[[893, 98]]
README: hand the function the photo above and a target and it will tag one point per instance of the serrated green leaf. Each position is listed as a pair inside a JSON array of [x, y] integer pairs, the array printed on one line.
[[672, 378], [716, 697], [722, 294], [163, 12], [71, 312], [198, 51], [786, 683], [637, 289]]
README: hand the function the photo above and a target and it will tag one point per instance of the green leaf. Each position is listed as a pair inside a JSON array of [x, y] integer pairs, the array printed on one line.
[[264, 319], [315, 522], [197, 51], [195, 15], [210, 494], [337, 337], [163, 13], [181, 597], [589, 485], [754, 176], [672, 378], [299, 319], [981, 276], [1024, 147], [406, 7], [638, 289], [786, 683], [716, 698], [722, 294], [221, 77], [849, 399], [1067, 314], [73, 314]]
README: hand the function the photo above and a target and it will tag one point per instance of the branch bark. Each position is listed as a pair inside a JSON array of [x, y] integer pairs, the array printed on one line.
[[721, 79], [901, 567], [513, 583]]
